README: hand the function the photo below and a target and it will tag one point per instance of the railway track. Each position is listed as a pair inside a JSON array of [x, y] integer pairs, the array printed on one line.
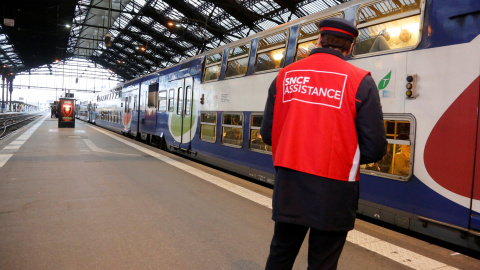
[[9, 123]]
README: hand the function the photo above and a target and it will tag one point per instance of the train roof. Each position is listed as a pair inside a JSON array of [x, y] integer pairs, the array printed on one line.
[[324, 13]]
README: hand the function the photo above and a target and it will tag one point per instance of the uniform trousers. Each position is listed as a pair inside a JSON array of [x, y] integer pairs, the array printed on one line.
[[324, 247]]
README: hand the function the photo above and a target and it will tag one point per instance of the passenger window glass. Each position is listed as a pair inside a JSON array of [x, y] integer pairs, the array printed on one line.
[[171, 94], [388, 25], [385, 9], [308, 37], [180, 101], [213, 66], [232, 129], [256, 142], [237, 67], [188, 99], [127, 101], [396, 164], [271, 52], [208, 126], [304, 49], [238, 61], [162, 100]]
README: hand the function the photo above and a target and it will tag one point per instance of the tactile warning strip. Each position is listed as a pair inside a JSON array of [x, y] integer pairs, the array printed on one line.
[[396, 253], [7, 152]]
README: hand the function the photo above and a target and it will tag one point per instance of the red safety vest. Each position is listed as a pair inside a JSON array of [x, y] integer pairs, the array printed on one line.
[[314, 117]]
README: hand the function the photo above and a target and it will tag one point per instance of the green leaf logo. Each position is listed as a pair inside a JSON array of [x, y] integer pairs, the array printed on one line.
[[384, 82]]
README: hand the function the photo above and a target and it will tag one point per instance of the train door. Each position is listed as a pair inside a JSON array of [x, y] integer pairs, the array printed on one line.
[[182, 119], [148, 108], [135, 114], [152, 107], [127, 113]]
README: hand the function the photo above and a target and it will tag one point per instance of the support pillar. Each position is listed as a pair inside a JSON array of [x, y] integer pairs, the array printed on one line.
[[3, 93], [10, 90], [5, 104]]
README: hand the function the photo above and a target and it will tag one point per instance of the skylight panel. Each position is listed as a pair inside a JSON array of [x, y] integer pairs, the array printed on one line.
[[156, 43], [314, 7], [121, 21], [217, 11], [126, 16], [261, 8], [183, 43], [230, 23], [146, 20], [135, 29], [176, 15], [288, 15], [266, 24], [160, 5], [140, 3], [332, 2], [129, 7], [146, 37], [200, 32], [148, 61], [196, 3], [158, 27]]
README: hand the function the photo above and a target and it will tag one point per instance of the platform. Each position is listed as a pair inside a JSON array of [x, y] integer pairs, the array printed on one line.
[[87, 198]]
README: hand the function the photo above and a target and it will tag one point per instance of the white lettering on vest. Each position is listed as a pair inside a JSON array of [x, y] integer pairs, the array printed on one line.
[[315, 87]]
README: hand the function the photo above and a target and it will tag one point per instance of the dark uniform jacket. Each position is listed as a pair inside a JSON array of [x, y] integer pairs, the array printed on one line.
[[315, 201]]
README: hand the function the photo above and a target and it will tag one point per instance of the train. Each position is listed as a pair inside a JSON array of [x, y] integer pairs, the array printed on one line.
[[424, 56]]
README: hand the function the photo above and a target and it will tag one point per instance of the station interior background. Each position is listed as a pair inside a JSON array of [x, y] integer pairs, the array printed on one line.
[[52, 47]]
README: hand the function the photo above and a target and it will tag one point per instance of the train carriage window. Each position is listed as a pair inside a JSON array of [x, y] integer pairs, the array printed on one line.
[[208, 126], [134, 103], [308, 37], [271, 52], [397, 163], [387, 26], [171, 104], [232, 129], [256, 142], [127, 104], [180, 100], [162, 100], [188, 99], [213, 66], [238, 60]]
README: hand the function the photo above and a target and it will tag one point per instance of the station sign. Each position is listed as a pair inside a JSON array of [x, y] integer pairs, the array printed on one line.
[[9, 22]]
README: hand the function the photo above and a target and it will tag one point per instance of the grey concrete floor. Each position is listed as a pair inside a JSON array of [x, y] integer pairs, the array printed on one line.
[[74, 198]]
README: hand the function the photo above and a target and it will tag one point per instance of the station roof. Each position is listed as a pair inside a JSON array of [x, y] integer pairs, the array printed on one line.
[[146, 35]]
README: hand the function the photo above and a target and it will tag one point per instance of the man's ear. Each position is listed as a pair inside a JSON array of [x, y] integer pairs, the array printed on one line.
[[319, 45], [351, 49]]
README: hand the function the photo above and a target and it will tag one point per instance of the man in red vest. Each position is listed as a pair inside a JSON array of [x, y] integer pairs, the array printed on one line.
[[323, 119]]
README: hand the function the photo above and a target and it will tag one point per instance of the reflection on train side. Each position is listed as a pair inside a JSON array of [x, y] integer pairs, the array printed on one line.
[[396, 164], [378, 32], [256, 142], [232, 130]]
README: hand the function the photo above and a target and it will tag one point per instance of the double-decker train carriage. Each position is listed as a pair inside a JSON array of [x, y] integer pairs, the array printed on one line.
[[84, 110], [422, 53]]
